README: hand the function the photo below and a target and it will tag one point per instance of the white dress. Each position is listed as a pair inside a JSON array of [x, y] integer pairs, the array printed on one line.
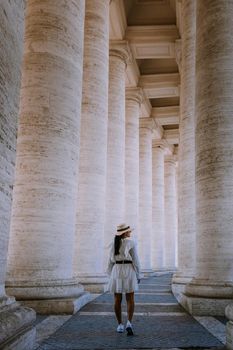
[[124, 277]]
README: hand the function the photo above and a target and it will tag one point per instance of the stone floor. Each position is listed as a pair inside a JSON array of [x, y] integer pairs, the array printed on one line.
[[159, 322]]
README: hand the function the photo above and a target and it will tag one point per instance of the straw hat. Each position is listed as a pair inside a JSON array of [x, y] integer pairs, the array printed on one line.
[[123, 228]]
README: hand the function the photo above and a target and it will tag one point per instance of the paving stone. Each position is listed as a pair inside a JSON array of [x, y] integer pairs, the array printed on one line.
[[166, 326], [87, 332]]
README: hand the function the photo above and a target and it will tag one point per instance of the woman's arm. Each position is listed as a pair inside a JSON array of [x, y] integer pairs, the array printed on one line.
[[135, 259], [110, 262]]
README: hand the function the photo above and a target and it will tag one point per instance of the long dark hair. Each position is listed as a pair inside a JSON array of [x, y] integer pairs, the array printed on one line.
[[117, 243]]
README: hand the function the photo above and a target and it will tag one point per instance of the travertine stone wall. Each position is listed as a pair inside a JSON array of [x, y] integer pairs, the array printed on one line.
[[115, 185], [214, 156], [186, 168], [158, 149], [93, 147], [11, 49], [170, 212], [145, 192], [133, 101], [45, 192]]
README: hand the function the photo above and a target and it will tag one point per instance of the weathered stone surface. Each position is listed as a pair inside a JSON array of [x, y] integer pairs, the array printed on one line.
[[11, 49], [132, 114], [16, 327], [145, 192], [186, 155], [115, 185], [45, 190], [93, 147], [158, 243], [214, 157], [170, 213]]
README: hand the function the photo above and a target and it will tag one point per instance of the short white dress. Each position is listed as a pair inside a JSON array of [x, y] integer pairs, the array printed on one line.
[[123, 278]]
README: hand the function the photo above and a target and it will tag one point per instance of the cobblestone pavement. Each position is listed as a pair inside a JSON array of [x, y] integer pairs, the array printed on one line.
[[159, 322]]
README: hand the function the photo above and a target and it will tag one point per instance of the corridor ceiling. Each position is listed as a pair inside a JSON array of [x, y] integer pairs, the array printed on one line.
[[153, 30]]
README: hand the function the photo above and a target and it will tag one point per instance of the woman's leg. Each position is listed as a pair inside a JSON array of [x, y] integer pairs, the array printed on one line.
[[117, 306], [130, 305]]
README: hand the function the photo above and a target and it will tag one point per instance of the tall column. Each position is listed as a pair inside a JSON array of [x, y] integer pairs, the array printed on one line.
[[133, 102], [212, 287], [158, 150], [89, 264], [115, 187], [170, 213], [145, 193], [45, 191], [186, 168], [15, 322]]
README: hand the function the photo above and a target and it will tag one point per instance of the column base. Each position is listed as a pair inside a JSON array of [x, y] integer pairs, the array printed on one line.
[[93, 283], [24, 290], [204, 299], [16, 327], [229, 327], [147, 272], [50, 297], [179, 283], [204, 306], [67, 306]]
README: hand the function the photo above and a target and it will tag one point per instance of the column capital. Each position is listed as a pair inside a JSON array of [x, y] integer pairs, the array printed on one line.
[[121, 49], [171, 159], [146, 123], [134, 94], [160, 144]]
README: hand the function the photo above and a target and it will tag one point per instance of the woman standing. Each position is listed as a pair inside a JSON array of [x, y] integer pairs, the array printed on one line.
[[124, 272]]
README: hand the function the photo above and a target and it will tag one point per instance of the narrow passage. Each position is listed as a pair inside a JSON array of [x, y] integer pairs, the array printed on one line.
[[159, 322]]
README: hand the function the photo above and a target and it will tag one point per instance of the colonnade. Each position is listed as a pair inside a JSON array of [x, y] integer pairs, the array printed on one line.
[[204, 280], [83, 160], [87, 159]]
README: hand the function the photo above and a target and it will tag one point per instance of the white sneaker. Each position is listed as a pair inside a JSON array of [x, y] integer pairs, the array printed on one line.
[[120, 328], [129, 328]]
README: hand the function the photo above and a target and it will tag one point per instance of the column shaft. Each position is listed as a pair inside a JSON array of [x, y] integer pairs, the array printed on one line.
[[16, 322], [214, 159], [186, 160], [157, 205], [145, 192], [93, 147], [45, 191], [115, 190], [133, 100], [170, 212]]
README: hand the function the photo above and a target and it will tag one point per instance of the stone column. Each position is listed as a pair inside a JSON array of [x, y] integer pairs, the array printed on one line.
[[212, 288], [158, 149], [15, 321], [186, 168], [89, 264], [170, 213], [145, 193], [133, 102], [45, 191], [115, 187]]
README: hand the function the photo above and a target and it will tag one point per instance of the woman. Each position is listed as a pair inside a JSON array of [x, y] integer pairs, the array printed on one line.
[[124, 272]]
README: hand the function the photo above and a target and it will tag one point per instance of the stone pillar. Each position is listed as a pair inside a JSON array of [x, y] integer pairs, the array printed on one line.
[[41, 247], [115, 187], [212, 287], [170, 213], [15, 321], [133, 101], [186, 156], [158, 245], [145, 193], [89, 264]]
